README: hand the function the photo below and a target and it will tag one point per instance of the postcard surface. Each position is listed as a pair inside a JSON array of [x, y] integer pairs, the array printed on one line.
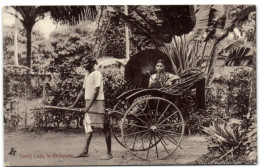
[[129, 85]]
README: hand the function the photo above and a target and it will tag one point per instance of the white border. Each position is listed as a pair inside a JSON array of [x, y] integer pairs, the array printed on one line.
[[108, 2], [120, 2]]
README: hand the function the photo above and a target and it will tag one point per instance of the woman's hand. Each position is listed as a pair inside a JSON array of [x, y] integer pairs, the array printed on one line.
[[174, 77], [168, 83]]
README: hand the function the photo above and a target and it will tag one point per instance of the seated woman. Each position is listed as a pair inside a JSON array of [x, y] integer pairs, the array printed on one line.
[[158, 80], [161, 78]]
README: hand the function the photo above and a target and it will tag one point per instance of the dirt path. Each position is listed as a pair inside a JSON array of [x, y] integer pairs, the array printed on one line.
[[33, 149]]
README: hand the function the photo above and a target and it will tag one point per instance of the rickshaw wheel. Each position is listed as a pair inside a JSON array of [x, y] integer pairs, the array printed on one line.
[[152, 128], [116, 123], [121, 106]]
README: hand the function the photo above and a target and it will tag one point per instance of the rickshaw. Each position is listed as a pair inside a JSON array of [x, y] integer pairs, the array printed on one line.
[[148, 122]]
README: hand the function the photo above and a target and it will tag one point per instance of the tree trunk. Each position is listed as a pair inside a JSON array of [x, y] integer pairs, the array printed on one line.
[[28, 62], [210, 67], [15, 41], [126, 33]]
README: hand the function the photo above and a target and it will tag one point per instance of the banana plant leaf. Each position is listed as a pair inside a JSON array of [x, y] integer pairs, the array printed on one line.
[[232, 46], [179, 19], [209, 17]]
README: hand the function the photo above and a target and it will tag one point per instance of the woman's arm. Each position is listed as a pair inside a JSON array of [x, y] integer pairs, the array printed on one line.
[[171, 79]]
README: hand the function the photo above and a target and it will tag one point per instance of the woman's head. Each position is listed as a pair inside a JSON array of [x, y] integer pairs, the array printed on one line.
[[160, 65]]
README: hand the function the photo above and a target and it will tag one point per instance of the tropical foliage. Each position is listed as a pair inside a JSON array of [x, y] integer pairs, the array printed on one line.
[[14, 76], [227, 138], [231, 140], [29, 15], [197, 49], [227, 104]]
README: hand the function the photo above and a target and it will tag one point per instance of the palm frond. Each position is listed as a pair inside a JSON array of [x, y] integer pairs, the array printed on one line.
[[183, 54], [70, 14]]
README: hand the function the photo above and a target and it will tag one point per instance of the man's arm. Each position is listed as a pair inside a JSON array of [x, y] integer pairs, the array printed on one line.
[[81, 93], [93, 99]]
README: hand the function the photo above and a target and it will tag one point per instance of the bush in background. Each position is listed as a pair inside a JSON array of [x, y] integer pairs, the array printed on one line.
[[231, 125], [65, 93], [113, 80]]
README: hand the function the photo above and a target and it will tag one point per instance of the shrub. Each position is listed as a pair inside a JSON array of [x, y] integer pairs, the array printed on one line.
[[226, 138], [231, 141], [64, 94], [233, 131], [113, 80], [237, 93], [14, 89], [228, 97]]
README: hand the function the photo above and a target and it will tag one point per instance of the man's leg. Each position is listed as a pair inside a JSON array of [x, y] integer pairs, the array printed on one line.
[[88, 137], [85, 151], [107, 133]]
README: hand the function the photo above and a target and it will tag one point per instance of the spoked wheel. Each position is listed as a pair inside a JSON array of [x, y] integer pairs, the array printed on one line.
[[152, 128], [116, 122]]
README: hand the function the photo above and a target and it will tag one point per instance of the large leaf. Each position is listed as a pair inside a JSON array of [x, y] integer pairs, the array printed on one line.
[[208, 17], [202, 21], [233, 46], [239, 57], [217, 16], [179, 19]]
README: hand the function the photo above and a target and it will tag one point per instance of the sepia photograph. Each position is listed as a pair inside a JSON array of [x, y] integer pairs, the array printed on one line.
[[88, 85]]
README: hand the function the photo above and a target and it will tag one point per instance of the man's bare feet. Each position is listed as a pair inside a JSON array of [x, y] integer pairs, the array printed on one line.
[[107, 157], [81, 155]]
